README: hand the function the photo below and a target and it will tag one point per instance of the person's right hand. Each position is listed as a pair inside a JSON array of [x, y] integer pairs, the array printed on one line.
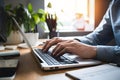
[[51, 42]]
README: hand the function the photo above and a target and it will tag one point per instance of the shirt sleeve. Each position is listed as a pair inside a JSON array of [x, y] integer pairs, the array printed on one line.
[[108, 54], [100, 37]]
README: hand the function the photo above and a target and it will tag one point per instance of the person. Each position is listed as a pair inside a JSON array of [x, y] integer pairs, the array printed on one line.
[[94, 45]]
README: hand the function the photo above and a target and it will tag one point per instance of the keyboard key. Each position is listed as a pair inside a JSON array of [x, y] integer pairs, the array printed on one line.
[[49, 60]]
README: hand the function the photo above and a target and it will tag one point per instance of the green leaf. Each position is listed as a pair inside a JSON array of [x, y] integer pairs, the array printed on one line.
[[41, 11], [41, 14], [8, 7], [30, 8], [49, 5], [36, 18]]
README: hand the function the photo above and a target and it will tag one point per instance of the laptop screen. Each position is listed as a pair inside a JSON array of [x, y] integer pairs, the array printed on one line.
[[22, 33], [3, 36]]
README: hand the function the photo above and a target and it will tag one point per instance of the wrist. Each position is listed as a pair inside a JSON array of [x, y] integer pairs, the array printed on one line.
[[94, 52]]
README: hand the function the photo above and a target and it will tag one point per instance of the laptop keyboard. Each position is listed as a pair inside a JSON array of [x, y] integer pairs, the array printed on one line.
[[50, 60]]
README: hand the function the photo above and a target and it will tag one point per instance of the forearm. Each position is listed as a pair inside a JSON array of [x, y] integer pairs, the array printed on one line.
[[86, 39], [108, 54]]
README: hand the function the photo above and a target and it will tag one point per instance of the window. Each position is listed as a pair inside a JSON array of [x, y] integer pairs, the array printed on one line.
[[66, 11]]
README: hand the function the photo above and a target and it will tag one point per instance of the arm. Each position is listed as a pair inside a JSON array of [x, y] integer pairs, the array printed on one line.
[[101, 36], [108, 53]]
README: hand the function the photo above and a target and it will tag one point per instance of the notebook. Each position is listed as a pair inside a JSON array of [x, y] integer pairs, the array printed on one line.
[[47, 62], [101, 72]]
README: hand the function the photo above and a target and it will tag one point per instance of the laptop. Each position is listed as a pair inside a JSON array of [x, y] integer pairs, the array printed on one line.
[[100, 72], [47, 62]]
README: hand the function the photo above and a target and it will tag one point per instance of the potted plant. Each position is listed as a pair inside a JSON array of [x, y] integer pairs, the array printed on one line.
[[26, 17], [33, 19], [14, 37]]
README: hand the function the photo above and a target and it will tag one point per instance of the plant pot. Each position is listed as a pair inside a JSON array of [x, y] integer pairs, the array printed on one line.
[[32, 38], [52, 34], [15, 37]]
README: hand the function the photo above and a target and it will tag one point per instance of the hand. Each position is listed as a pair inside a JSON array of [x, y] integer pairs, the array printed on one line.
[[70, 46], [74, 47], [51, 42]]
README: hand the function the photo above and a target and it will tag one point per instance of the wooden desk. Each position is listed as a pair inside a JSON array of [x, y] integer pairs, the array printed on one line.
[[29, 69]]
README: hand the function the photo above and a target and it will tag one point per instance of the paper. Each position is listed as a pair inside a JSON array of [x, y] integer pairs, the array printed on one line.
[[12, 47], [2, 47]]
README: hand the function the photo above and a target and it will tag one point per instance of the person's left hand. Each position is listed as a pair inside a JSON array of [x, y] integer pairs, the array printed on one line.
[[74, 47]]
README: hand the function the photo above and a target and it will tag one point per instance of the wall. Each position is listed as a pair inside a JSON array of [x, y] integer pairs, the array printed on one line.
[[16, 2], [2, 23], [37, 4], [100, 9]]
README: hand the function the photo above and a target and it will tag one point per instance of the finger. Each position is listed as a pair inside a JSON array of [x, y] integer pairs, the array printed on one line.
[[60, 46], [50, 43], [61, 53], [57, 49], [46, 43], [67, 49]]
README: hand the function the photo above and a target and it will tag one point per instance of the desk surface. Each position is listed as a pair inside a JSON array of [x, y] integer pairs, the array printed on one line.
[[29, 69]]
